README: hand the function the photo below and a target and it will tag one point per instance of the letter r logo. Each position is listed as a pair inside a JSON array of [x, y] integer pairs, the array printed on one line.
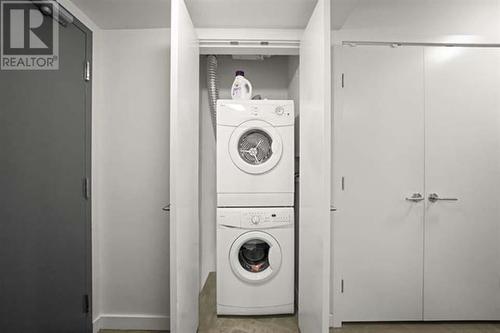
[[29, 34], [25, 30]]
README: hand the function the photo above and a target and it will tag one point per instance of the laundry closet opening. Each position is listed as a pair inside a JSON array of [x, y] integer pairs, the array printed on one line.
[[273, 78]]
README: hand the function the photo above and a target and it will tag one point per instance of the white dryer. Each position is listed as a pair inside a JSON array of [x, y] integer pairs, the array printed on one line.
[[255, 153], [255, 261]]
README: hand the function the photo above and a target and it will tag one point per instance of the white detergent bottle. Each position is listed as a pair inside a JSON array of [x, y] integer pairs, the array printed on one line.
[[242, 88]]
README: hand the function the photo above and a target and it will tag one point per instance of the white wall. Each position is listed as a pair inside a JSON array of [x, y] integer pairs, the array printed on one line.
[[130, 170], [273, 78], [133, 171], [460, 21], [425, 21]]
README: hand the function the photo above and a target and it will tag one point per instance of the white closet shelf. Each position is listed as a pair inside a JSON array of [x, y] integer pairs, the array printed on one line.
[[249, 41]]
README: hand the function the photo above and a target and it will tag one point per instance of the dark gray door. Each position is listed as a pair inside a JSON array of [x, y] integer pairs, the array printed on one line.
[[45, 251]]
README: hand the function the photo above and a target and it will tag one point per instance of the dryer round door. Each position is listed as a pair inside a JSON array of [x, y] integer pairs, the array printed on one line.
[[255, 147], [255, 257]]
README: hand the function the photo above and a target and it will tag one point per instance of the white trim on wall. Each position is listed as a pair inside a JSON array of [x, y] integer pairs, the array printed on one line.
[[96, 327], [132, 322]]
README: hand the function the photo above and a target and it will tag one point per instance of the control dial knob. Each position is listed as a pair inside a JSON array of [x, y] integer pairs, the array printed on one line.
[[279, 110], [255, 219]]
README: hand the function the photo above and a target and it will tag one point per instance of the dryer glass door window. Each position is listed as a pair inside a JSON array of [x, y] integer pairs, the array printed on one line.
[[255, 147], [254, 255]]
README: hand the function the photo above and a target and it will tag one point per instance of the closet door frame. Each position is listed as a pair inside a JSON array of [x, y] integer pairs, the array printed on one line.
[[184, 173], [315, 172], [315, 165]]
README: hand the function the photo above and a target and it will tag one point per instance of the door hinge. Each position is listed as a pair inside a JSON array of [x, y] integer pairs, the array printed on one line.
[[86, 74], [343, 184], [86, 304], [342, 80], [342, 286], [86, 188]]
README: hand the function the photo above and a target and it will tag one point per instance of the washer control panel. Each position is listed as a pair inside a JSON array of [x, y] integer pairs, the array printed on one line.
[[265, 217], [255, 218]]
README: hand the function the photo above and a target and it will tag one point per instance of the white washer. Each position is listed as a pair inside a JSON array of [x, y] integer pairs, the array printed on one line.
[[255, 261], [255, 153]]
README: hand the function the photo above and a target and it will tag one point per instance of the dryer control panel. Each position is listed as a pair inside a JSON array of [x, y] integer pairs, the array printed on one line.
[[236, 112], [255, 218]]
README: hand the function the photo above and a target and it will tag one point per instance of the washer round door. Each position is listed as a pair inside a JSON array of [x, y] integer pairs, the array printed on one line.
[[255, 147], [255, 256]]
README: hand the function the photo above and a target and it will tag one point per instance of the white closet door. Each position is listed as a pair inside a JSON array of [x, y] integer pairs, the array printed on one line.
[[184, 155], [379, 143], [315, 134], [462, 238]]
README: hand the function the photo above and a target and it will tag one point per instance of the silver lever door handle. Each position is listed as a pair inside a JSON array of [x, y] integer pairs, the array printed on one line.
[[433, 197], [415, 197]]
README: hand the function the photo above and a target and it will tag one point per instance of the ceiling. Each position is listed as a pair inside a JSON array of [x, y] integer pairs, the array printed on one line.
[[341, 11], [436, 16], [144, 14], [127, 14], [279, 14]]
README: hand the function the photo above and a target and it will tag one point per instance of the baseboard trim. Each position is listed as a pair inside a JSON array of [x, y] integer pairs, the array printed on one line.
[[334, 323], [96, 325], [131, 322]]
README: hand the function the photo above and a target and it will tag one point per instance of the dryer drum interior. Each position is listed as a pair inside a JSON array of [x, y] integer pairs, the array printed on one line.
[[254, 146]]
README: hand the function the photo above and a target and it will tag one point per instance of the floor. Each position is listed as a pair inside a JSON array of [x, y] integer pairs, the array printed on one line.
[[210, 323], [419, 328], [367, 328]]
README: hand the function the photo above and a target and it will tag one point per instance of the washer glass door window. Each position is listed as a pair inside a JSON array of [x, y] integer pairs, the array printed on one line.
[[255, 256], [255, 147]]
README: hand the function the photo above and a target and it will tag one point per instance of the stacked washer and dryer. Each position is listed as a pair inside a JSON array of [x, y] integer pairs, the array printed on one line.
[[255, 198]]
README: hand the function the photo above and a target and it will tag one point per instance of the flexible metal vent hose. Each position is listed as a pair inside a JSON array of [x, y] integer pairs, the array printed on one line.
[[213, 91]]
